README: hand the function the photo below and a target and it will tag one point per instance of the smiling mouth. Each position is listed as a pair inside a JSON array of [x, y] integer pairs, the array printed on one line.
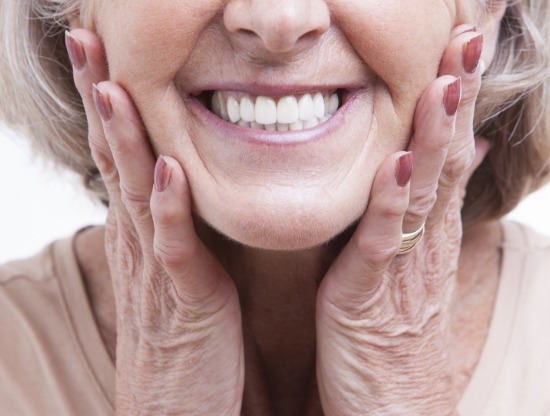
[[287, 113]]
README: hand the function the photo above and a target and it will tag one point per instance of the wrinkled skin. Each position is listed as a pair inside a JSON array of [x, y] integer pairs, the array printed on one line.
[[380, 322]]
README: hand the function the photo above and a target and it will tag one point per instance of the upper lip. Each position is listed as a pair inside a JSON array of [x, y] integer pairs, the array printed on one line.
[[272, 90]]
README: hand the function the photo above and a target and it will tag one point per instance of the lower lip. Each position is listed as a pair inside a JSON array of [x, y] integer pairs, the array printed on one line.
[[276, 138]]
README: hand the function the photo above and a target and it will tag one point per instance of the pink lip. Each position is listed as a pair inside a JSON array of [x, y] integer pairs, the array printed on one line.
[[275, 138], [272, 90]]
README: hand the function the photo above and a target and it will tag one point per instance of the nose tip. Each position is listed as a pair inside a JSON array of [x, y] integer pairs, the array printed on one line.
[[279, 26]]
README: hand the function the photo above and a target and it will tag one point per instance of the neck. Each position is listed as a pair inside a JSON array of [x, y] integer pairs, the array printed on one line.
[[277, 292]]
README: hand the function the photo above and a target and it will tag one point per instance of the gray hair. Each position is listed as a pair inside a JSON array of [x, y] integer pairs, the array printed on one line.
[[40, 100]]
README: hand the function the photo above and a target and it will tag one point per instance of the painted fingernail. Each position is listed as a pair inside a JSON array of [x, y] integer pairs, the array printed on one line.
[[471, 53], [102, 104], [76, 52], [163, 175], [403, 169], [452, 96]]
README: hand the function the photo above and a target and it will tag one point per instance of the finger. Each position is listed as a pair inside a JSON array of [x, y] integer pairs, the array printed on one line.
[[86, 54], [357, 272], [131, 152], [434, 126], [461, 58], [195, 273], [482, 147]]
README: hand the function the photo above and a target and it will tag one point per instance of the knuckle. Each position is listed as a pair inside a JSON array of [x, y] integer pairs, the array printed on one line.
[[166, 214], [107, 169], [96, 139], [376, 253], [421, 204], [136, 205], [394, 209], [458, 163], [171, 256], [130, 256], [120, 141]]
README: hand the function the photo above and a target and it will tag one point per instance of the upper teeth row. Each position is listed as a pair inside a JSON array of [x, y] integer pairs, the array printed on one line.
[[288, 113]]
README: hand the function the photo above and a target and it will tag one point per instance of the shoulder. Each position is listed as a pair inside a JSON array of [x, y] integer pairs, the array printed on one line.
[[526, 267], [48, 342], [36, 269], [518, 236], [513, 373], [524, 308], [526, 251], [526, 257], [33, 287], [31, 292]]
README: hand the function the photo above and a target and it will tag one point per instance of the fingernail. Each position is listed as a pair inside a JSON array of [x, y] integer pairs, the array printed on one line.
[[76, 52], [102, 104], [403, 169], [452, 96], [471, 53], [163, 174]]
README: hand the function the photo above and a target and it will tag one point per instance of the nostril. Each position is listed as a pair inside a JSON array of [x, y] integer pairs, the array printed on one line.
[[277, 26]]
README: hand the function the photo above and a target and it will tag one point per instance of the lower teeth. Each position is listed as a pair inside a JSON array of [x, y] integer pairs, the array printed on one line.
[[296, 126]]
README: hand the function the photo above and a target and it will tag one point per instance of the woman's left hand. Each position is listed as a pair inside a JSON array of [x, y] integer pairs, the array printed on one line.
[[383, 319]]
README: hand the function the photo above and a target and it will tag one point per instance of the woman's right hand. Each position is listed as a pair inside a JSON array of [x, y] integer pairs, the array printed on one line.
[[179, 336]]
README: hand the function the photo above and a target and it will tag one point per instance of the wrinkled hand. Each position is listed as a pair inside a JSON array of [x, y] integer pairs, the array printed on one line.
[[179, 336], [383, 323]]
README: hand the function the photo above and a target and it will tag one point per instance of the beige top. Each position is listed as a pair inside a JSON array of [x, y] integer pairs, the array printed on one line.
[[53, 361]]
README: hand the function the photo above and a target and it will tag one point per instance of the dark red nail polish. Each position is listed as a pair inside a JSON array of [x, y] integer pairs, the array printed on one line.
[[102, 103], [76, 52], [452, 96], [403, 169], [471, 53], [163, 175]]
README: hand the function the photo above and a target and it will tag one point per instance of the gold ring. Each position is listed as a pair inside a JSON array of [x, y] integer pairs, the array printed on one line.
[[410, 240]]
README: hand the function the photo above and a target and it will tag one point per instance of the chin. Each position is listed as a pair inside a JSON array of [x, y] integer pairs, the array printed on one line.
[[285, 229]]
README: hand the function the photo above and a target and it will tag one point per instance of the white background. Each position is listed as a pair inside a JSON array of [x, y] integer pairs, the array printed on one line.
[[39, 204]]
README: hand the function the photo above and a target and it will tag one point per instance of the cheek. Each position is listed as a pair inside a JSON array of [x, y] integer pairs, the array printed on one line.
[[147, 43], [401, 41]]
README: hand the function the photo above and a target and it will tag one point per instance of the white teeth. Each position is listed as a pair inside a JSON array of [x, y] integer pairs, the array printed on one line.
[[219, 107], [282, 127], [233, 109], [247, 109], [312, 122], [319, 105], [266, 110], [305, 106], [287, 110], [284, 114], [333, 104], [297, 125], [326, 100]]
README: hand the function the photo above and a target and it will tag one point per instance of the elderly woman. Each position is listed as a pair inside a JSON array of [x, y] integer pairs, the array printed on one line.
[[304, 208]]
